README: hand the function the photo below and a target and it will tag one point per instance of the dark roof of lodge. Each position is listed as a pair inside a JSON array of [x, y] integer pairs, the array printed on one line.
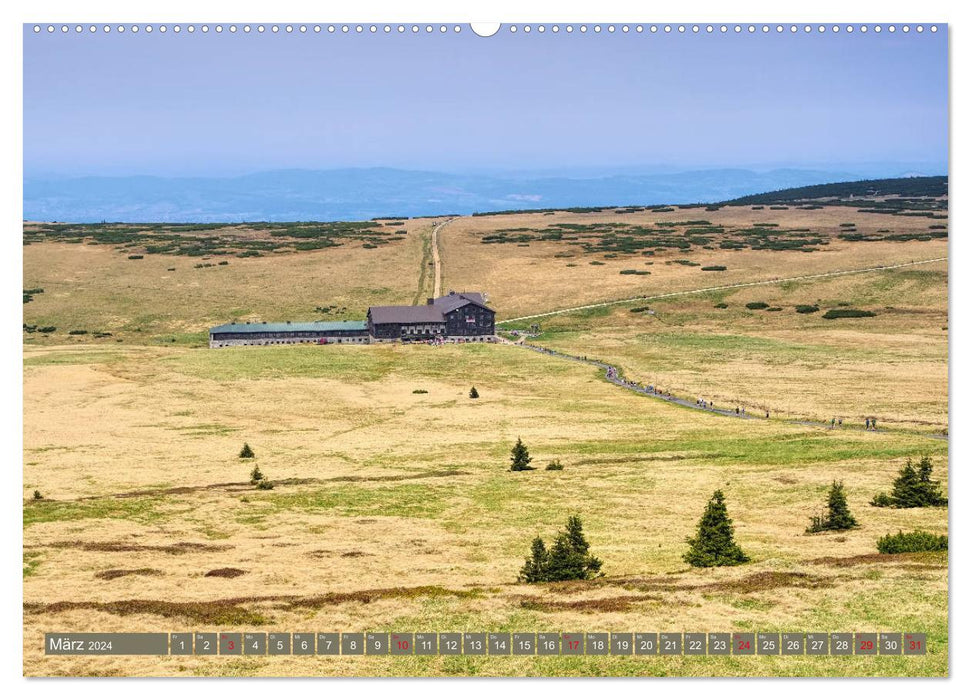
[[312, 327], [406, 314], [454, 300], [429, 313]]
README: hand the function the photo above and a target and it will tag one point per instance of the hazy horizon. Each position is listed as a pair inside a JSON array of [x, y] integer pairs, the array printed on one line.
[[231, 104]]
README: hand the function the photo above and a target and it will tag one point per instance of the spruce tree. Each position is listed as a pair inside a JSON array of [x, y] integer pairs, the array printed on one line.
[[930, 490], [838, 516], [473, 394], [520, 457], [906, 488], [569, 558], [256, 475], [246, 452], [535, 568], [714, 545], [913, 488]]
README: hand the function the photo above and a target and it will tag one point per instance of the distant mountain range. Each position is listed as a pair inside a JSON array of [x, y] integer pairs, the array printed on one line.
[[364, 193]]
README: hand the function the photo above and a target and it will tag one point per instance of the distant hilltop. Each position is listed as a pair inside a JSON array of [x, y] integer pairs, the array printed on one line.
[[360, 194], [932, 187]]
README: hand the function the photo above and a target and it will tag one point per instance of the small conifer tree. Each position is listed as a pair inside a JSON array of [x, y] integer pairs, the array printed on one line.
[[569, 558], [838, 516], [520, 457], [37, 496], [246, 452], [473, 394], [913, 488], [714, 544], [256, 475], [534, 570], [554, 466]]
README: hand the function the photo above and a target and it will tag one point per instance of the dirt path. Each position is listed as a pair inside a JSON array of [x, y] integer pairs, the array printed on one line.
[[702, 290], [437, 259], [613, 375]]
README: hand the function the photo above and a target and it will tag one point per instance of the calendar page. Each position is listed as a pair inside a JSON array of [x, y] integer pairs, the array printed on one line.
[[516, 349]]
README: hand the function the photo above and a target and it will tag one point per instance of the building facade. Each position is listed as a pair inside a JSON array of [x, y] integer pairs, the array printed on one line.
[[456, 316]]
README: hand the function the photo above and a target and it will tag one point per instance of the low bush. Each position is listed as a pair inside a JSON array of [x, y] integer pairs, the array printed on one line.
[[848, 313], [916, 541], [419, 391], [754, 305], [554, 466], [714, 268], [806, 308]]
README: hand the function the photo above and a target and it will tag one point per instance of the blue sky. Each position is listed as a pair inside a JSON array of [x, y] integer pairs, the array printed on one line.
[[224, 104]]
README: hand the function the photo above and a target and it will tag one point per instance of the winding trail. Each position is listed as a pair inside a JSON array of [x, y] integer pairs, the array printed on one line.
[[702, 290], [613, 375]]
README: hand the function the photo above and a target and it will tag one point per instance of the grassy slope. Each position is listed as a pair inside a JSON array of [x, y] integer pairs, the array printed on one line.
[[410, 493]]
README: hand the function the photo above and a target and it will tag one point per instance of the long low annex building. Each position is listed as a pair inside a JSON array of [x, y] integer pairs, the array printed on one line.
[[461, 316], [318, 332]]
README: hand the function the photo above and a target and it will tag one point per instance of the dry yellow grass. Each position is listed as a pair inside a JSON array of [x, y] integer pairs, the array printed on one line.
[[98, 289], [395, 511], [398, 509], [527, 280]]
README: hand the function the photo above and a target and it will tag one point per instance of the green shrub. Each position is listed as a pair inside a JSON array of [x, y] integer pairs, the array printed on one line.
[[838, 516], [721, 305], [77, 332], [714, 544], [806, 308], [419, 391], [135, 257], [635, 272], [916, 541], [754, 305], [847, 313], [881, 500], [520, 457], [256, 476], [246, 452], [473, 393], [554, 466], [265, 485], [568, 560], [38, 496], [714, 268]]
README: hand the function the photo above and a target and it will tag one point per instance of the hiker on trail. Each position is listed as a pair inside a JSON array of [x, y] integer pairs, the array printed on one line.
[[743, 410], [840, 422], [736, 410], [766, 413], [832, 423], [867, 424], [873, 424]]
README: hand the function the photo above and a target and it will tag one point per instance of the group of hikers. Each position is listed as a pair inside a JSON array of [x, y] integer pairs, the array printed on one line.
[[613, 375]]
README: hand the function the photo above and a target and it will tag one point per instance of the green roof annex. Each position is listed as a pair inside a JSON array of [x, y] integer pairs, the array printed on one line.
[[312, 327]]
